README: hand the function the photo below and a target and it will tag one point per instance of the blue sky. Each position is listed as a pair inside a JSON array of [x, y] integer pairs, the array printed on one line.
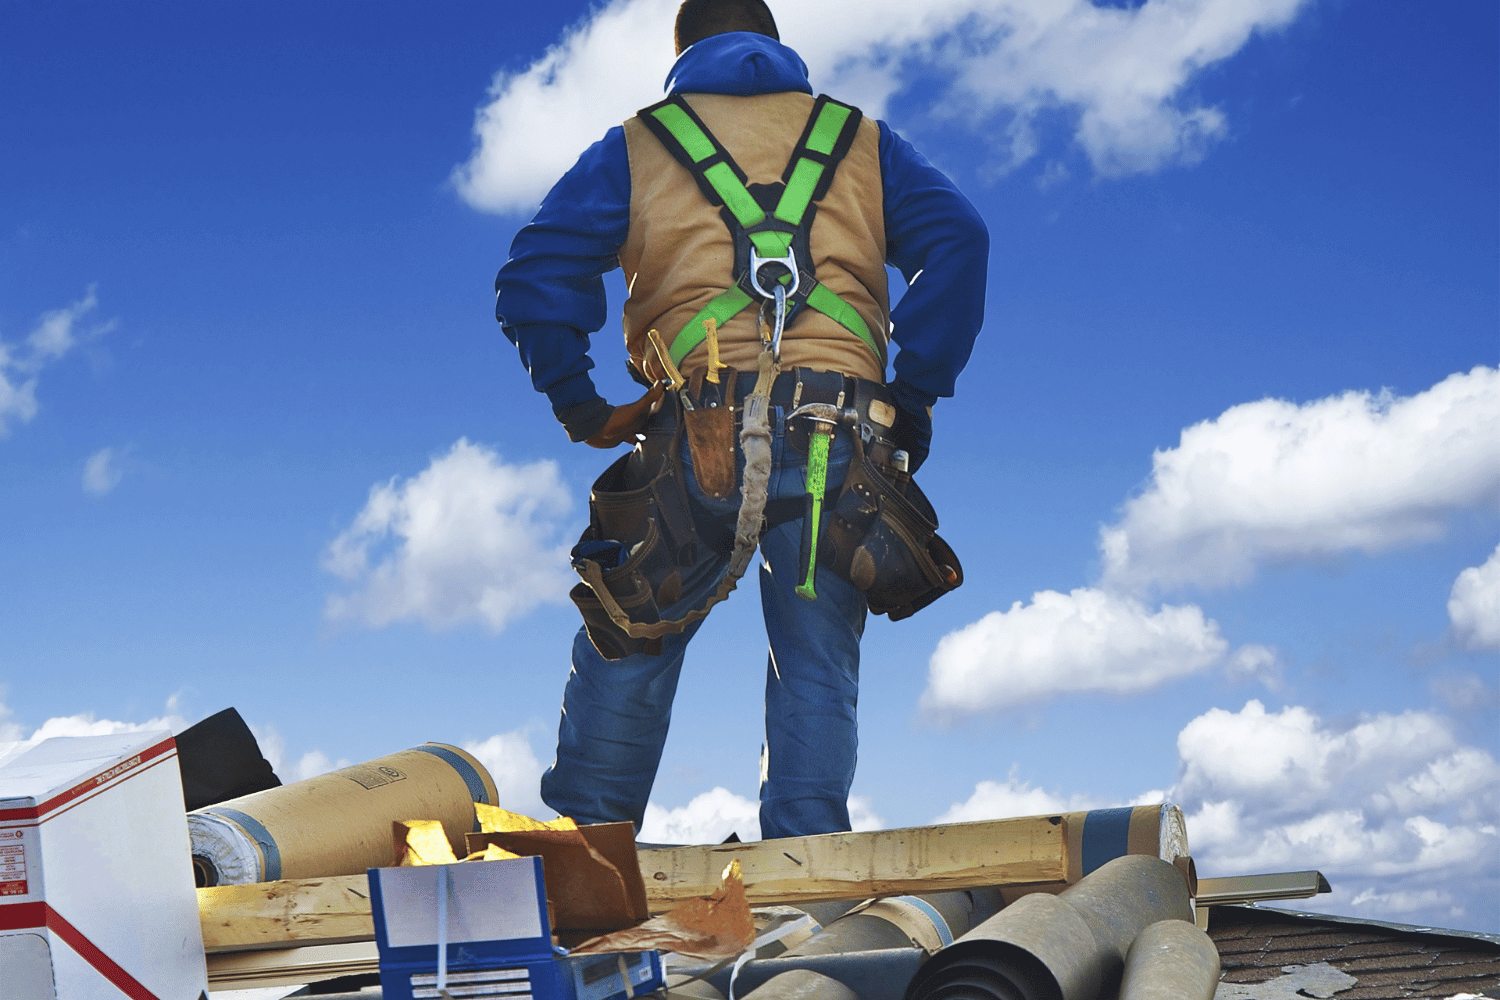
[[1223, 470]]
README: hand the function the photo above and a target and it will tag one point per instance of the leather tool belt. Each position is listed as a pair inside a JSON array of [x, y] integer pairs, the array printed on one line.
[[646, 538]]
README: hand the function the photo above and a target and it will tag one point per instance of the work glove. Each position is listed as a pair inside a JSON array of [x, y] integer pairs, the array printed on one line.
[[625, 422], [913, 430]]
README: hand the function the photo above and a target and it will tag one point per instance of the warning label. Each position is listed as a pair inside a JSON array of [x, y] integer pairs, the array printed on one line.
[[372, 777], [12, 865]]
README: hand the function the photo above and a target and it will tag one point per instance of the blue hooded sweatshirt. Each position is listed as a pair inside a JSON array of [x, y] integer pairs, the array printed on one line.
[[550, 293]]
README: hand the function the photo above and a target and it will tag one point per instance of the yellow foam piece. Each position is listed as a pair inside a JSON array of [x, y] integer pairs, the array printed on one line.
[[493, 819], [426, 844]]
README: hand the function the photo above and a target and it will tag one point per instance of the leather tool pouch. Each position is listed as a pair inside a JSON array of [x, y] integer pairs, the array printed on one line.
[[881, 536], [642, 539], [711, 434]]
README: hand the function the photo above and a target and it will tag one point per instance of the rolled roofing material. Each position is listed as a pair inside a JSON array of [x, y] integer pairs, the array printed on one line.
[[1101, 835], [1066, 947], [872, 975], [874, 948], [1171, 960], [686, 986], [801, 984], [338, 823], [929, 922]]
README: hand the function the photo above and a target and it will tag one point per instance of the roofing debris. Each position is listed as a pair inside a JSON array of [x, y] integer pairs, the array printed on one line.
[[1262, 947], [1104, 905]]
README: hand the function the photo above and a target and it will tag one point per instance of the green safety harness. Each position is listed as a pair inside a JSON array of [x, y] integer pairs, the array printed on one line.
[[773, 262], [770, 223]]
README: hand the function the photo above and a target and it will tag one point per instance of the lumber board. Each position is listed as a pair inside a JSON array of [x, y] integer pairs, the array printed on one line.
[[286, 914], [245, 970], [860, 865], [1024, 851]]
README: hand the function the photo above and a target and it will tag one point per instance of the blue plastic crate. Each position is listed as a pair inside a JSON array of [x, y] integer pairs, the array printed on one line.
[[480, 929]]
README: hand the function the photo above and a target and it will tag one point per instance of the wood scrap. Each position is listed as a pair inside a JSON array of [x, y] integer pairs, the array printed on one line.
[[1028, 850]]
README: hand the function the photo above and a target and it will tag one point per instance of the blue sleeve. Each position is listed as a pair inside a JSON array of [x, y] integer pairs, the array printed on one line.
[[939, 243], [550, 296]]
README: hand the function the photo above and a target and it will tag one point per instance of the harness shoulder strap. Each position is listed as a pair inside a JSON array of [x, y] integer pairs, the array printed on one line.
[[776, 238]]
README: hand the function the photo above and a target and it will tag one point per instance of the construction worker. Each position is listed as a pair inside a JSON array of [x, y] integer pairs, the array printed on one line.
[[801, 329]]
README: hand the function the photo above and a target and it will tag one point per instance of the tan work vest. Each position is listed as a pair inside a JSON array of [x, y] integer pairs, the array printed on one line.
[[678, 253]]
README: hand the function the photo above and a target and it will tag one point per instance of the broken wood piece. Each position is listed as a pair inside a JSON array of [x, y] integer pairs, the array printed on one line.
[[286, 914], [860, 865], [1028, 850]]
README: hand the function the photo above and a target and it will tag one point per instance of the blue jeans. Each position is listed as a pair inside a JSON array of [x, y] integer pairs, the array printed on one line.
[[616, 712]]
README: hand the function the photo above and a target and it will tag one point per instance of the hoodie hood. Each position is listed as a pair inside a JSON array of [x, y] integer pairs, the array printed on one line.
[[739, 64]]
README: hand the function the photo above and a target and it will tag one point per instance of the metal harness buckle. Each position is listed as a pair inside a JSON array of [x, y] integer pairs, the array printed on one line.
[[789, 262]]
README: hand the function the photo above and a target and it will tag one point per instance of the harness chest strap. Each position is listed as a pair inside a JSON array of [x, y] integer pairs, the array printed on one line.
[[781, 236]]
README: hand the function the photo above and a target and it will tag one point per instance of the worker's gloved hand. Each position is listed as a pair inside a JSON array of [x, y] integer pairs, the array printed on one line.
[[913, 430], [625, 422]]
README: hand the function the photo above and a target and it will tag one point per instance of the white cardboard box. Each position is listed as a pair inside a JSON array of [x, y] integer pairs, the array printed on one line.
[[96, 878]]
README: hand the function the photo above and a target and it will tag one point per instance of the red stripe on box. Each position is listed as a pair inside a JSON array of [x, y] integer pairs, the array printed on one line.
[[90, 953], [27, 916], [120, 770], [23, 916]]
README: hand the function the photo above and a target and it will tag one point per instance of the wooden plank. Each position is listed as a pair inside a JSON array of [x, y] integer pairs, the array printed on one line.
[[287, 913], [860, 865], [1028, 850], [245, 970]]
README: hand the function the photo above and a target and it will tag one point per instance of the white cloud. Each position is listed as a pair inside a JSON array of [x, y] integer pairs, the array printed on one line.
[[517, 772], [1014, 797], [85, 724], [1254, 662], [1089, 640], [1463, 692], [469, 539], [1474, 604], [1121, 74], [537, 121], [310, 765], [10, 732], [1400, 814], [707, 819], [1274, 481], [713, 815], [862, 814], [56, 333], [1393, 808], [101, 472]]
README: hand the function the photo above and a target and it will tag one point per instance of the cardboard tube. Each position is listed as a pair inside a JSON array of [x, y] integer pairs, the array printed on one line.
[[800, 984], [685, 986], [338, 823], [1100, 835], [1171, 960], [1066, 947]]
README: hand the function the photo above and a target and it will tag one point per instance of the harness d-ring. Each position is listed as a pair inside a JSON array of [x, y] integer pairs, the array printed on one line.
[[789, 261]]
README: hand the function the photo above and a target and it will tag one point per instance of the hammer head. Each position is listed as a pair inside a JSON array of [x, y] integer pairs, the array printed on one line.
[[825, 413]]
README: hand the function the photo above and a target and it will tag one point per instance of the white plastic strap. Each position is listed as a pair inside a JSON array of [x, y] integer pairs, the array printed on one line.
[[445, 877], [776, 933], [625, 976]]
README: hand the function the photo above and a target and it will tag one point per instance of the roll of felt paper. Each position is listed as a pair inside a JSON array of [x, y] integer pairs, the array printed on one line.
[[338, 823], [1071, 946], [1101, 835]]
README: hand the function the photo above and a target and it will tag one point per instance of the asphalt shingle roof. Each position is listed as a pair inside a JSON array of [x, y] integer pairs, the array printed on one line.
[[1257, 945]]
